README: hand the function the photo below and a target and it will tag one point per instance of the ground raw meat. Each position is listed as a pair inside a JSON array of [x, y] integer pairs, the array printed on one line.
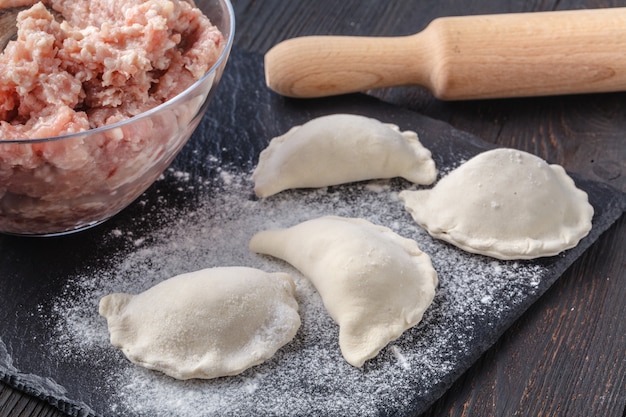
[[105, 61]]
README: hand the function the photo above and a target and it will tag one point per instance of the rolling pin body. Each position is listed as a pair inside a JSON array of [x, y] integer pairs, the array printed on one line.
[[466, 57]]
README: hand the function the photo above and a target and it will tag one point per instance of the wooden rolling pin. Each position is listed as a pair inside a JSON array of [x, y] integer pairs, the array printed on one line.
[[468, 57]]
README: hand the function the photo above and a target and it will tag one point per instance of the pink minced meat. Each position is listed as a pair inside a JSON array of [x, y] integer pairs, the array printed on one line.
[[105, 61], [108, 61]]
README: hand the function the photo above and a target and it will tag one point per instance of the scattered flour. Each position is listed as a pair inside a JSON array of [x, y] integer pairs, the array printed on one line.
[[308, 376]]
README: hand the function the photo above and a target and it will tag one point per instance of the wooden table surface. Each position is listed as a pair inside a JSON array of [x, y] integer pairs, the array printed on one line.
[[566, 356]]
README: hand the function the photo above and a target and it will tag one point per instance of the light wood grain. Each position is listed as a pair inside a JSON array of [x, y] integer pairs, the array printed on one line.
[[464, 57]]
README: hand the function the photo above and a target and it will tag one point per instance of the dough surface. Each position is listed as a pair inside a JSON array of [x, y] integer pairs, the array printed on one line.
[[506, 204], [205, 324], [374, 283], [339, 149]]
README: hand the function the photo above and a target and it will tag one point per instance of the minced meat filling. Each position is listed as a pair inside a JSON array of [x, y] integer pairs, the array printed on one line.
[[106, 61]]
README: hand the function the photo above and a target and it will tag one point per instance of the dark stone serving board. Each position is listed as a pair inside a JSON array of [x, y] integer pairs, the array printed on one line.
[[241, 119]]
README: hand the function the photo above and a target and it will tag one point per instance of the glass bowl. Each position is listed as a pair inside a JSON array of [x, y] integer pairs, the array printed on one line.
[[63, 184]]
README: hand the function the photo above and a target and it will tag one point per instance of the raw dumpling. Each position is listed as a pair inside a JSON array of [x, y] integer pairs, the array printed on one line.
[[205, 324], [339, 149], [506, 204], [374, 283]]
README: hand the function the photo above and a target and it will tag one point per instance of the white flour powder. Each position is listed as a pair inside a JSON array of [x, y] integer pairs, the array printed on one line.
[[309, 375]]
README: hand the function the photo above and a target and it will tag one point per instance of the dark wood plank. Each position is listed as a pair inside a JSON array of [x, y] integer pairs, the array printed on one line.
[[566, 356], [583, 133], [14, 403]]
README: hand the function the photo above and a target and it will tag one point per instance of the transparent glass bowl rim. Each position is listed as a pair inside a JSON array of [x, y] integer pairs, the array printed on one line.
[[171, 102]]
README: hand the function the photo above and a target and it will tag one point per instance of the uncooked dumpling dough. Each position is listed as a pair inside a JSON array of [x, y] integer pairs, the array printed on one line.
[[205, 324], [374, 283], [506, 204], [339, 149]]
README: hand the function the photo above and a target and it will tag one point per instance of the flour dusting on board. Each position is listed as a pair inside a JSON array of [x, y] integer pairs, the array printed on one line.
[[307, 376]]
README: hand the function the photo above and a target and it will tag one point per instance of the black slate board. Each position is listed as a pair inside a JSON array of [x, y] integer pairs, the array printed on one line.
[[242, 117]]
